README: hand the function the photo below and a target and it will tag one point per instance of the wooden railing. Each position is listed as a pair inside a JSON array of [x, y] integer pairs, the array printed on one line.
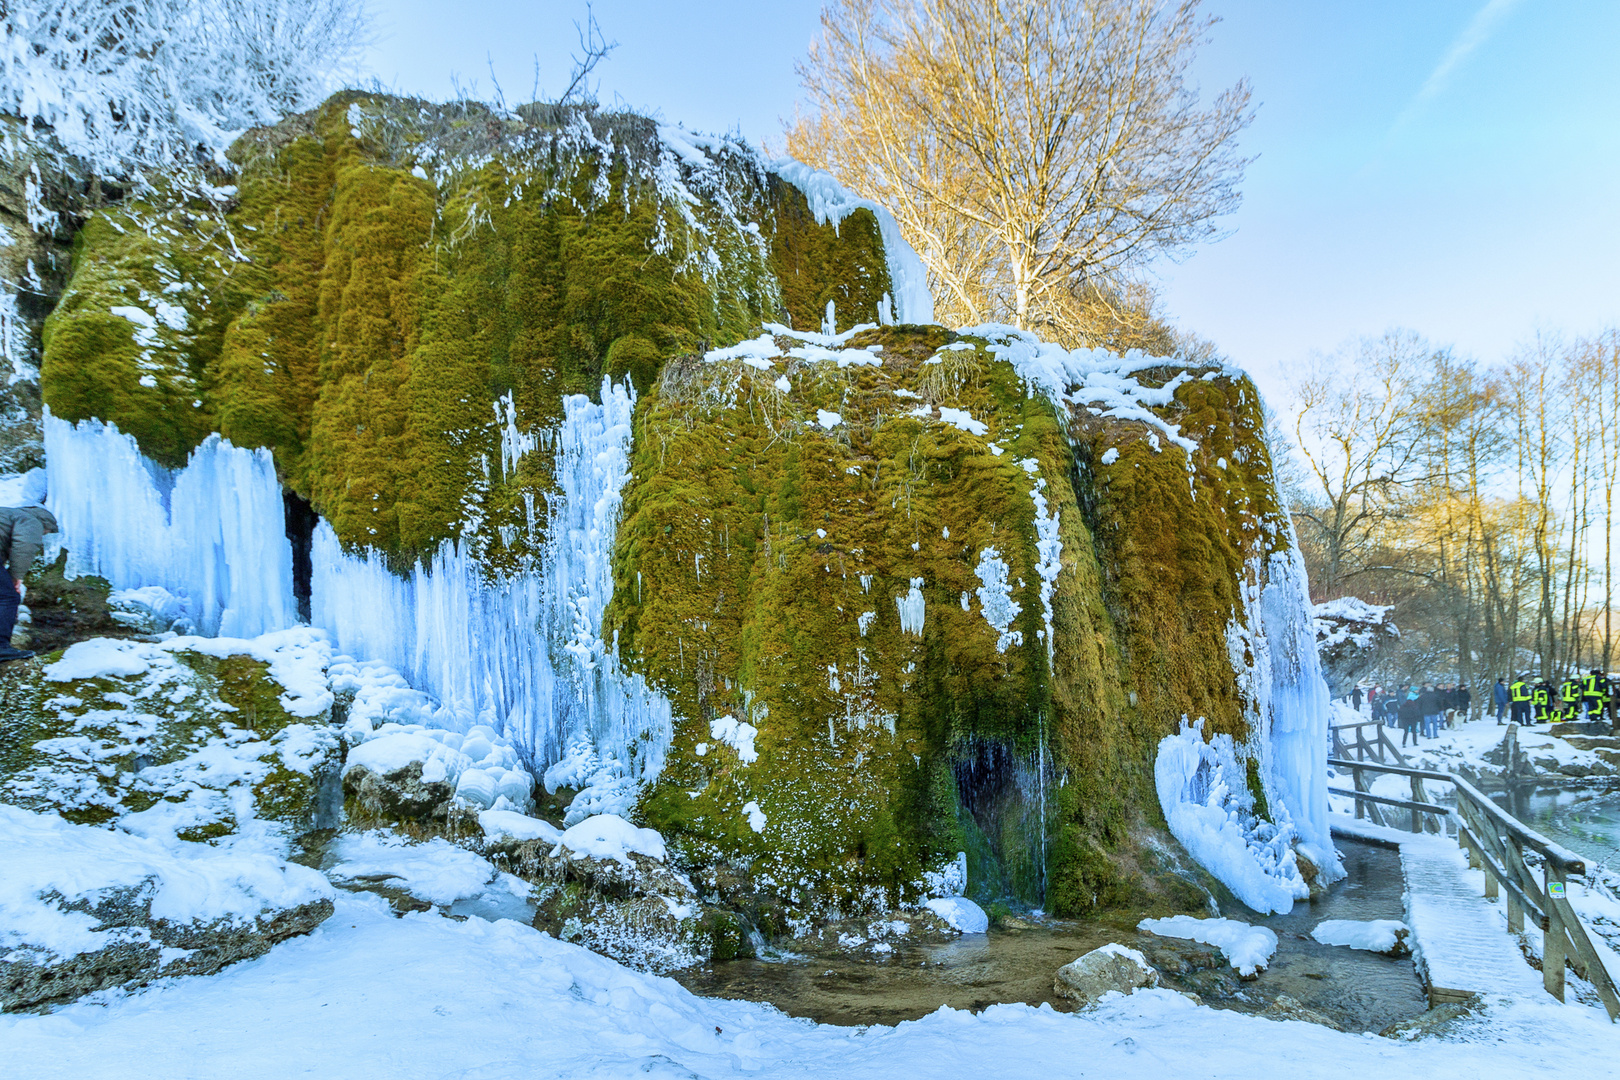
[[1497, 843], [1380, 748], [1419, 804]]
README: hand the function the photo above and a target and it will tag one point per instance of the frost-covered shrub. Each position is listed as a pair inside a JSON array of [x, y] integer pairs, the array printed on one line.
[[154, 82]]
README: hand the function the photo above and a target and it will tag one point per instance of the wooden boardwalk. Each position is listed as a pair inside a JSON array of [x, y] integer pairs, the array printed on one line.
[[1461, 941]]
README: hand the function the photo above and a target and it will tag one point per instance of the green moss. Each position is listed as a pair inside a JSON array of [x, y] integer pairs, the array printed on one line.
[[816, 264], [212, 702], [362, 320]]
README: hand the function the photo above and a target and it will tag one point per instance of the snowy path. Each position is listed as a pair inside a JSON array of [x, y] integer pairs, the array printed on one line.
[[1461, 938]]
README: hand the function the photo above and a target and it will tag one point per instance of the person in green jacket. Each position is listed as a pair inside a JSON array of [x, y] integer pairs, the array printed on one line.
[[1570, 695], [22, 540], [1520, 691]]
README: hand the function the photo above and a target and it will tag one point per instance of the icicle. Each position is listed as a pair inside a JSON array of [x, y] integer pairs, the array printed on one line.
[[213, 533]]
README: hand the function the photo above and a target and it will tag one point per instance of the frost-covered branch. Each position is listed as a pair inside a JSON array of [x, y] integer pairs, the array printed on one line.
[[152, 83]]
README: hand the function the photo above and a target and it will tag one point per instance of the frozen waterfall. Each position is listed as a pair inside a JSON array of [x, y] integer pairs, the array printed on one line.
[[211, 533], [522, 653]]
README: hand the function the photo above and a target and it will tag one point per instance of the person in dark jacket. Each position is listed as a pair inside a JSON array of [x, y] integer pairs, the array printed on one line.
[[1465, 702], [1499, 698], [22, 540], [1355, 699], [1429, 709], [1410, 715]]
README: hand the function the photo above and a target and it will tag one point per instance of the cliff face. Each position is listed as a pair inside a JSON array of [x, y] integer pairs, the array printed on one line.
[[391, 285], [866, 597], [951, 614]]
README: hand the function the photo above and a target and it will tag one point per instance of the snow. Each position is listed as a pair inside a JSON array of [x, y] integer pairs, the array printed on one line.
[[1098, 379], [499, 823], [756, 816], [1206, 802], [995, 599], [737, 735], [608, 836], [960, 418], [213, 533], [424, 996], [100, 657], [830, 203], [1110, 455], [436, 871], [1375, 935], [22, 489], [1248, 948], [961, 913], [828, 420], [44, 855]]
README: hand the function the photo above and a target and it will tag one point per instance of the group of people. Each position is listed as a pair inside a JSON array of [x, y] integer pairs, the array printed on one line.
[[1426, 708], [1578, 697]]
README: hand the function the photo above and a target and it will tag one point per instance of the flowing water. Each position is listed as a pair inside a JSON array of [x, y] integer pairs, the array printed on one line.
[[1586, 822], [1360, 991]]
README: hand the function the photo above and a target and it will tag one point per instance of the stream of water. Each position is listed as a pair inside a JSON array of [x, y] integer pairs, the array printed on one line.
[[1359, 991], [1586, 822]]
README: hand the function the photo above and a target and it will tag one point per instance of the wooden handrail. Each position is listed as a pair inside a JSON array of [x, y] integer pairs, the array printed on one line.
[[1399, 770], [1407, 804], [1565, 859]]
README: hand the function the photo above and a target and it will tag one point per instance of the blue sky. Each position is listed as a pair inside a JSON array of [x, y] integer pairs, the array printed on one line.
[[1444, 165]]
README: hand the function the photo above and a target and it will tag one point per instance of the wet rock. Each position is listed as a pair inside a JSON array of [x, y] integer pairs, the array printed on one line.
[[639, 911], [402, 799], [1287, 1007], [1437, 1021], [141, 948], [1102, 970], [876, 935]]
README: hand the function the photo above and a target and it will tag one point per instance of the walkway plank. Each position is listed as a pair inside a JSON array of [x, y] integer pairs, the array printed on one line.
[[1463, 945]]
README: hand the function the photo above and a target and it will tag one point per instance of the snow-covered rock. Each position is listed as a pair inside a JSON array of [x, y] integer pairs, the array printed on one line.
[[1388, 936], [83, 909], [1107, 970], [1350, 636], [1248, 948]]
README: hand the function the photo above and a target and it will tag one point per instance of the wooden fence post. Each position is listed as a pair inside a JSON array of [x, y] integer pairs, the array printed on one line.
[[1553, 949]]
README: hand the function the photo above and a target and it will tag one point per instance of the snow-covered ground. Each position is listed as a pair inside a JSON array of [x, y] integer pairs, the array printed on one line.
[[369, 994]]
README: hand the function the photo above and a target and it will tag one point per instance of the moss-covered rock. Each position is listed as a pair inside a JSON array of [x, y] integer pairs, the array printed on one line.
[[786, 530], [194, 746], [388, 271]]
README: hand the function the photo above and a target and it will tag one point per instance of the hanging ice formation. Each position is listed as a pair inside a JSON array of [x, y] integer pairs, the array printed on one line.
[[1202, 786], [211, 533], [522, 654]]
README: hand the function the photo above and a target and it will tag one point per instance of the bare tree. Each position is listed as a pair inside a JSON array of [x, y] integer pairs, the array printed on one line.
[[1030, 149], [1357, 416]]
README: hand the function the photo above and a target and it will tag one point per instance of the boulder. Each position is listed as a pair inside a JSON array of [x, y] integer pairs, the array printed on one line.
[[85, 909], [1100, 971], [165, 738], [1350, 636]]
